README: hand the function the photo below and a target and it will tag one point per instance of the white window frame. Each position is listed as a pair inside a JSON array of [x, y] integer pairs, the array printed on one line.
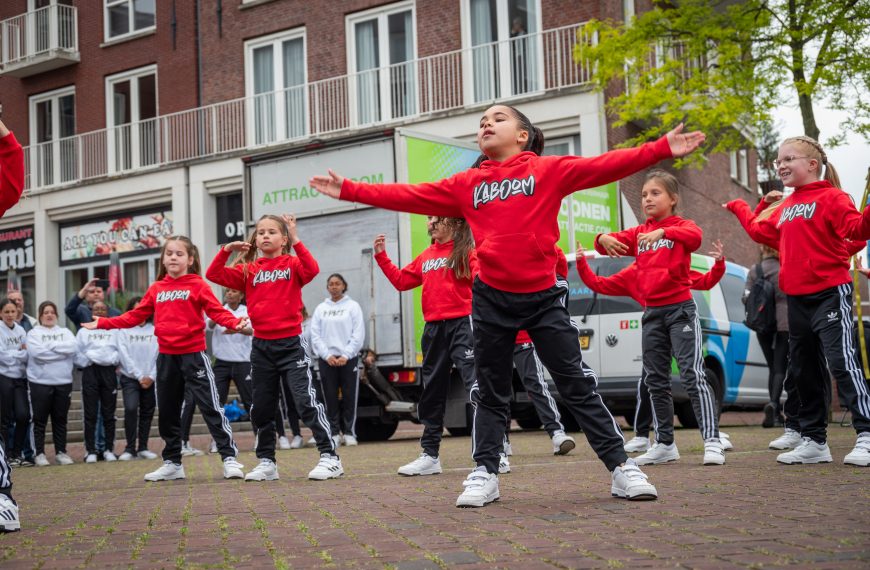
[[381, 13], [34, 100], [275, 40], [135, 123], [739, 166], [107, 37]]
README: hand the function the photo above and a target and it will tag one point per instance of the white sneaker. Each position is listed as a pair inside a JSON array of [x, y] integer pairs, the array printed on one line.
[[145, 454], [562, 443], [41, 460], [109, 456], [329, 467], [481, 488], [61, 459], [504, 465], [8, 515], [212, 448], [423, 465], [266, 470], [350, 440], [629, 482], [91, 458], [790, 439], [283, 443], [508, 449], [233, 469], [188, 450], [169, 471], [726, 441], [336, 440], [311, 442], [659, 453], [860, 456], [807, 452], [636, 444], [714, 454], [126, 456], [297, 442]]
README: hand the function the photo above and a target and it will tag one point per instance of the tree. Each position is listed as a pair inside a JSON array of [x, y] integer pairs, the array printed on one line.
[[722, 64]]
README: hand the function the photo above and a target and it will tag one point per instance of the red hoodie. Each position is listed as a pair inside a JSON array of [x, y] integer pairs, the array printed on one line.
[[561, 273], [444, 296], [511, 206], [273, 289], [177, 306], [809, 228], [663, 268], [11, 172]]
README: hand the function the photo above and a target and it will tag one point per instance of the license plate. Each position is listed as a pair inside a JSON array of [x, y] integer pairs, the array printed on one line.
[[584, 342]]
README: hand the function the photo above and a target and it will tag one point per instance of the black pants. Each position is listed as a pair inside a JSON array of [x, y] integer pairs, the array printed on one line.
[[775, 349], [188, 407], [445, 344], [99, 389], [5, 471], [531, 373], [674, 330], [274, 362], [50, 401], [14, 410], [139, 406], [820, 330], [287, 409], [497, 317], [643, 409], [238, 372], [342, 412], [175, 373], [792, 406]]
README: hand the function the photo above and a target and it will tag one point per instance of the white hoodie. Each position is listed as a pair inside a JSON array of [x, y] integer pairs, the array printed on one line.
[[231, 347], [13, 358], [98, 347], [137, 350], [50, 355], [337, 328]]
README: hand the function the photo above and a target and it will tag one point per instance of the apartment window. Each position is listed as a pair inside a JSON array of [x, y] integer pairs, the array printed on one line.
[[505, 41], [740, 166], [127, 17], [133, 133], [382, 48], [276, 86], [52, 128]]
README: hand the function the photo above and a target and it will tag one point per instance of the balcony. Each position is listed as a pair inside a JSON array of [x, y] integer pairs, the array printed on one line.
[[39, 41], [383, 97]]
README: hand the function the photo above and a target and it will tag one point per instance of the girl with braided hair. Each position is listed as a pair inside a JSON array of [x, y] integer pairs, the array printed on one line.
[[814, 274]]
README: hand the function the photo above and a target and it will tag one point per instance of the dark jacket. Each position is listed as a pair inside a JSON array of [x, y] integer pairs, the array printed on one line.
[[770, 269], [78, 312]]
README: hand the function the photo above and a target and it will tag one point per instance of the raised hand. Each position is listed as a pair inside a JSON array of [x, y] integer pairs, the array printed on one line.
[[329, 185], [612, 246], [684, 143], [718, 250], [859, 267], [290, 220], [380, 243], [238, 246]]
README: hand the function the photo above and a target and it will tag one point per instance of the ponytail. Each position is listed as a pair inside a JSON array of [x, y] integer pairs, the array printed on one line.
[[463, 243]]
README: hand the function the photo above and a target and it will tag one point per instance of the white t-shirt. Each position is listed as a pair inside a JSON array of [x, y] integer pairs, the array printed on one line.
[[231, 347]]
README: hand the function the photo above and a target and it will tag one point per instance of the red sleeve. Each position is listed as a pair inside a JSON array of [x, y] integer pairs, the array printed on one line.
[[403, 279], [11, 172], [214, 309], [561, 263], [429, 198], [761, 231], [307, 265], [628, 237], [706, 281], [848, 222], [687, 233], [132, 318], [762, 206], [473, 264], [615, 285], [218, 272], [855, 246]]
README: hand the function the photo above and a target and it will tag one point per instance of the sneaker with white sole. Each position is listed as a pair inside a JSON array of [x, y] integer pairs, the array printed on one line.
[[659, 453], [329, 467], [283, 443], [726, 441], [562, 443], [126, 456], [350, 440], [807, 452], [8, 515], [788, 440], [109, 456], [504, 464], [481, 488], [311, 442], [714, 453], [41, 460], [636, 444], [629, 482], [169, 471], [212, 447], [297, 442], [233, 469], [266, 470], [145, 454], [508, 449], [423, 465], [860, 455], [61, 459], [188, 450], [91, 458]]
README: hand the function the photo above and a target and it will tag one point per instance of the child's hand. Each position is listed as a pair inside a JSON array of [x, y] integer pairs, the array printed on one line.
[[683, 143], [650, 238], [859, 267], [91, 325], [718, 250], [243, 322], [341, 361], [3, 130], [380, 243], [612, 246], [238, 246], [146, 382], [772, 196], [290, 220], [328, 185]]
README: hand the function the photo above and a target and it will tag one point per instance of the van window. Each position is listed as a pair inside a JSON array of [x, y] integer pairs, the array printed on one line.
[[732, 289], [581, 296]]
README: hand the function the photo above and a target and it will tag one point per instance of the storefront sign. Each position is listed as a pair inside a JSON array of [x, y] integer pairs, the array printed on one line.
[[136, 233], [230, 225], [16, 249]]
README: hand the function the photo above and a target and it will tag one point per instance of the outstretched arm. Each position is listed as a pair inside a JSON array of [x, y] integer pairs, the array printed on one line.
[[11, 169], [403, 279]]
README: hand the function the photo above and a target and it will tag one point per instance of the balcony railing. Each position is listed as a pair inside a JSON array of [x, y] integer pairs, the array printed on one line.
[[521, 66], [39, 41]]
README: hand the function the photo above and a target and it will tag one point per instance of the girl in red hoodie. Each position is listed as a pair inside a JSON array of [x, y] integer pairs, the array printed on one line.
[[177, 301], [511, 202], [445, 271], [814, 274], [663, 246]]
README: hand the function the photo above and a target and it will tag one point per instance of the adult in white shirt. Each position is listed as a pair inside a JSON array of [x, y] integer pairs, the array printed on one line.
[[14, 401], [337, 334]]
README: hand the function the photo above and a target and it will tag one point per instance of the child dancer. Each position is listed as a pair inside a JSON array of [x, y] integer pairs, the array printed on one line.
[[810, 228], [511, 203], [138, 352], [177, 300], [272, 280], [445, 270]]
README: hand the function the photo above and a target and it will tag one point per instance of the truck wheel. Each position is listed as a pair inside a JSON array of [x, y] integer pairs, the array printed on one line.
[[369, 429]]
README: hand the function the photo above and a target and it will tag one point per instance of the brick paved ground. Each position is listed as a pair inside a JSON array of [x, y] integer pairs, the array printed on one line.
[[555, 512]]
